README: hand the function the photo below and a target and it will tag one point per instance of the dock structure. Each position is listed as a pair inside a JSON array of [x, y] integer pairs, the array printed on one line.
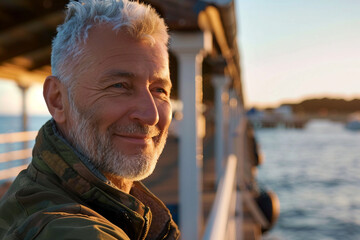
[[206, 170]]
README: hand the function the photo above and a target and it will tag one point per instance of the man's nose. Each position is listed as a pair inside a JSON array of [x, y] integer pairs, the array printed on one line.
[[144, 109]]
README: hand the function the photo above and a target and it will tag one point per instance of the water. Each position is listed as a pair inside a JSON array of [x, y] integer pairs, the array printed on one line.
[[10, 124], [316, 174]]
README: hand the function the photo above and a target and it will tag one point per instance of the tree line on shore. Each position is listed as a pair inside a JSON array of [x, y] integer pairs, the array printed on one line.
[[327, 106]]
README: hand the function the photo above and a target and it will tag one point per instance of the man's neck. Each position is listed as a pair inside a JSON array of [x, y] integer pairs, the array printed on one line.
[[84, 159], [121, 183]]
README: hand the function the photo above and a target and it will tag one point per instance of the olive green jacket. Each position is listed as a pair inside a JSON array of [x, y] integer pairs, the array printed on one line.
[[61, 196]]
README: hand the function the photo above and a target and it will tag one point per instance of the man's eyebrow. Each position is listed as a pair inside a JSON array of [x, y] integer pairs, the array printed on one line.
[[116, 74], [111, 75], [163, 81]]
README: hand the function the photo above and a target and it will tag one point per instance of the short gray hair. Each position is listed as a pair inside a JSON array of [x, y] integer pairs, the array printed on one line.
[[140, 20]]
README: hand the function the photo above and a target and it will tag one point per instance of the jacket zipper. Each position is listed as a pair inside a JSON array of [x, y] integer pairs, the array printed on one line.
[[146, 226]]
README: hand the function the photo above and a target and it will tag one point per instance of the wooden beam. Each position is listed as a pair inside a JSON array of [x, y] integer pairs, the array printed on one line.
[[34, 59], [211, 18], [22, 76], [178, 15], [32, 35]]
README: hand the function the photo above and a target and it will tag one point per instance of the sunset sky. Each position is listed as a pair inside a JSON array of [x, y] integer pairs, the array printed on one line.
[[290, 50], [297, 49]]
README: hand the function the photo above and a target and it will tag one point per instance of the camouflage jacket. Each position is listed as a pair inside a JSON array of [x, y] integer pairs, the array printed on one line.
[[60, 197]]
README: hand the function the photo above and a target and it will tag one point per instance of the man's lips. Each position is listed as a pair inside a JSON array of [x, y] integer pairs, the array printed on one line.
[[135, 138]]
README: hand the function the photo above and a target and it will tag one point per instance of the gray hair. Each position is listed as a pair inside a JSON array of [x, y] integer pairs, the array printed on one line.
[[139, 20]]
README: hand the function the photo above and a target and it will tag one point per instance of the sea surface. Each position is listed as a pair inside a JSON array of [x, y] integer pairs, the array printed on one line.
[[316, 174], [9, 123]]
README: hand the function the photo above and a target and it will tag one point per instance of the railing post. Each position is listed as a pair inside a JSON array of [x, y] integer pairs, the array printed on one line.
[[234, 119], [24, 89], [188, 48], [220, 83]]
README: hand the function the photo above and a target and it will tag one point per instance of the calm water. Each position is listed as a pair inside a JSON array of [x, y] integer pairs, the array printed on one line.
[[10, 124], [316, 175]]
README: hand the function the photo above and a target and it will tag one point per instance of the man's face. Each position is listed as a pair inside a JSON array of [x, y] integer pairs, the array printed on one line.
[[121, 111]]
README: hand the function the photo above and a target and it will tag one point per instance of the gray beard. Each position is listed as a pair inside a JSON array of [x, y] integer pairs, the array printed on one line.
[[85, 137]]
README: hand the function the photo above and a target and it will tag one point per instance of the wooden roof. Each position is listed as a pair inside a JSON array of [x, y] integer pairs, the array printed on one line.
[[27, 28], [26, 31]]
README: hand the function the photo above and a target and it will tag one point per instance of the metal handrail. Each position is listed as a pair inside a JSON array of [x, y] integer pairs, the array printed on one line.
[[11, 172], [15, 155], [17, 137], [217, 224], [8, 157]]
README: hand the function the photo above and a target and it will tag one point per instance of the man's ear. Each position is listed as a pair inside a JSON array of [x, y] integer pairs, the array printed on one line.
[[55, 96]]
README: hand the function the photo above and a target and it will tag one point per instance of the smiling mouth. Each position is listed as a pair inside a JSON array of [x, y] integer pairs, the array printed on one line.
[[136, 139]]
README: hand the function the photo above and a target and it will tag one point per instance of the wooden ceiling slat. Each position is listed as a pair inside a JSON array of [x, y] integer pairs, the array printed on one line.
[[34, 59], [29, 36], [17, 12], [179, 15], [27, 28], [22, 76]]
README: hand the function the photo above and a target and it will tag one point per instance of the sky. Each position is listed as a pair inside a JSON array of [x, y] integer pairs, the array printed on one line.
[[297, 49], [290, 50]]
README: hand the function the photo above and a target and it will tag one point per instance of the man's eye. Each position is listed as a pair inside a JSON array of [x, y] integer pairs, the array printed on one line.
[[161, 90], [118, 85]]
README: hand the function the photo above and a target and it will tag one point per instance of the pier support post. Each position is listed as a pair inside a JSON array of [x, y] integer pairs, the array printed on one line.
[[24, 115], [220, 83], [188, 48], [234, 119]]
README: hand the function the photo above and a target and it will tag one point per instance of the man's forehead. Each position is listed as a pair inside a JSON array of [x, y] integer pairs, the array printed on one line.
[[163, 74]]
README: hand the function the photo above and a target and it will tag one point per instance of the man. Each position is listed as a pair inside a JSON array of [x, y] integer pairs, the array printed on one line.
[[109, 97]]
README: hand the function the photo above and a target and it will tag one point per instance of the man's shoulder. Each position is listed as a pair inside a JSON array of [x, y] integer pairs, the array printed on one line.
[[27, 200], [66, 221], [31, 210], [32, 195]]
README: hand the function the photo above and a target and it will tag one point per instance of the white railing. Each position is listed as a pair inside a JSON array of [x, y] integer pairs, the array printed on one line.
[[17, 137], [227, 218], [220, 214], [8, 157]]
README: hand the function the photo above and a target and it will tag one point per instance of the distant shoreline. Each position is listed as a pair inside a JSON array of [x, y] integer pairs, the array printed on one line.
[[324, 108]]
